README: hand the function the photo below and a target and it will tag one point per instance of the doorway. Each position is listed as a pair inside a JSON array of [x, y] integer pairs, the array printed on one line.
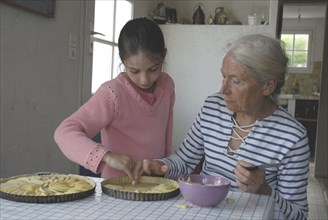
[[321, 146]]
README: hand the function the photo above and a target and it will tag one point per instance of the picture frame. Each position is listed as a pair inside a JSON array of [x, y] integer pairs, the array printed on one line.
[[42, 7]]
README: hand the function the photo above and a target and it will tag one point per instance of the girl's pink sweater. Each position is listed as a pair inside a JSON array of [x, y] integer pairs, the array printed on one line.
[[131, 122]]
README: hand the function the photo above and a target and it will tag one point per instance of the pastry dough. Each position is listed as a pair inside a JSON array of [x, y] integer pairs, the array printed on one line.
[[46, 185], [145, 185]]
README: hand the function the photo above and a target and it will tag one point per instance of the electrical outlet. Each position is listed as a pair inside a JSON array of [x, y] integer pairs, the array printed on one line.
[[72, 53]]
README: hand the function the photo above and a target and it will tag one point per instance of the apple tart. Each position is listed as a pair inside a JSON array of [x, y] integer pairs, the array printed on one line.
[[46, 188], [147, 189]]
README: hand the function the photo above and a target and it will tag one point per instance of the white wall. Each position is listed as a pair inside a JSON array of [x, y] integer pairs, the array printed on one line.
[[144, 8], [39, 86]]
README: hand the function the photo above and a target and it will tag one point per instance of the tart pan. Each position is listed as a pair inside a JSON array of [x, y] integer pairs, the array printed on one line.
[[108, 189], [49, 198]]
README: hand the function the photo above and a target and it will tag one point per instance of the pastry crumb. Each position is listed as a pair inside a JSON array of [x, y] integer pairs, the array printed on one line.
[[230, 200], [182, 206]]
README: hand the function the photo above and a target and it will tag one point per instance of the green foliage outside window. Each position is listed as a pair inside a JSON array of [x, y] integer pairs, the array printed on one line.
[[297, 49]]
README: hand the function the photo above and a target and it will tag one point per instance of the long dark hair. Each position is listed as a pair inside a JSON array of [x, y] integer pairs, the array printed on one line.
[[141, 35]]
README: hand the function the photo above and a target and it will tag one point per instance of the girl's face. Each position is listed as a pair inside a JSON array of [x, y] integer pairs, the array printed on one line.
[[241, 92], [143, 71]]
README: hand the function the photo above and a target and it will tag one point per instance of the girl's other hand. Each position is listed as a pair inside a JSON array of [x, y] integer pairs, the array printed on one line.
[[120, 162], [154, 167]]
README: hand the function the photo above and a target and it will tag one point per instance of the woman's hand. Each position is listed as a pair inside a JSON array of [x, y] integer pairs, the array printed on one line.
[[155, 167], [251, 181], [120, 162]]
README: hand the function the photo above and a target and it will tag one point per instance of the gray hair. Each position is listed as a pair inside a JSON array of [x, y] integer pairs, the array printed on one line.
[[263, 57]]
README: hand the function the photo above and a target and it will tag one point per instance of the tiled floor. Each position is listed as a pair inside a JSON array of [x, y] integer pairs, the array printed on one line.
[[317, 197]]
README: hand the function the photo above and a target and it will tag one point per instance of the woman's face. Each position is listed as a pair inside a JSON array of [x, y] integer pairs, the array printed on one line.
[[143, 71], [241, 92]]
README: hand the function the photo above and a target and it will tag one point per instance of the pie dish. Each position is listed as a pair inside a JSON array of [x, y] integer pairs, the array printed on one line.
[[46, 188], [147, 189]]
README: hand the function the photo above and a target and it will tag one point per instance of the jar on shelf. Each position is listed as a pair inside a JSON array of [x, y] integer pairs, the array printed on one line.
[[220, 16], [253, 17]]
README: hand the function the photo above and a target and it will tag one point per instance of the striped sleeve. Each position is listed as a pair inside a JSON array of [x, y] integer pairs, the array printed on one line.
[[188, 155], [291, 190]]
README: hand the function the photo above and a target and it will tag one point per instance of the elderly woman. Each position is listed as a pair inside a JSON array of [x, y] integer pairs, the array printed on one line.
[[242, 125]]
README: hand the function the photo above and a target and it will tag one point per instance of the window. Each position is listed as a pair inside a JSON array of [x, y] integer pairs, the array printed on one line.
[[110, 17], [298, 48]]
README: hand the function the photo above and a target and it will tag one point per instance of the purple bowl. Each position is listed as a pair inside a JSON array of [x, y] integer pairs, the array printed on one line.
[[204, 190]]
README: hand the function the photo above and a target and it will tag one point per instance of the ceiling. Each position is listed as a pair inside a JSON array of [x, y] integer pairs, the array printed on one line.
[[306, 11]]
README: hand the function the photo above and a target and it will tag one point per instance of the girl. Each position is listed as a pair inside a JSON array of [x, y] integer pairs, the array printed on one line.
[[133, 112]]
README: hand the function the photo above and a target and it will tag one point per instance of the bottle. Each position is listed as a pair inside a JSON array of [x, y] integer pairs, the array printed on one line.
[[294, 87]]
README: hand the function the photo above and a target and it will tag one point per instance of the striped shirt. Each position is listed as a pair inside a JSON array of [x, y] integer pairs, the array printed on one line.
[[278, 138]]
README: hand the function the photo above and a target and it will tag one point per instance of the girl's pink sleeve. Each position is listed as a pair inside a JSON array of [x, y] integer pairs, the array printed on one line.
[[74, 134]]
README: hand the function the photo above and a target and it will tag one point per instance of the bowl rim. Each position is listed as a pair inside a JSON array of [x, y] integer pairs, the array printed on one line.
[[202, 185]]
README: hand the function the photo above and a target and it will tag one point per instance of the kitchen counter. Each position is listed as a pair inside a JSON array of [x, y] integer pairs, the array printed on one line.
[[289, 101], [102, 206], [298, 96]]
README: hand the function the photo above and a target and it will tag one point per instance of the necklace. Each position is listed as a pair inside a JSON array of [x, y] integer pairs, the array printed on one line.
[[231, 152], [244, 128]]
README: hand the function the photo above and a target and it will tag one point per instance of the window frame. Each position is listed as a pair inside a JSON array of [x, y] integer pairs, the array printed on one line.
[[309, 67], [110, 42]]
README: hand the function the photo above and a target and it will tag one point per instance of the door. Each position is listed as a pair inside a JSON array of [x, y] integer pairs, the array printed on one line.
[[103, 22]]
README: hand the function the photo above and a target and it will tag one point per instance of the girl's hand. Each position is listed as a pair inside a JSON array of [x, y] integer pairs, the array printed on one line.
[[251, 181], [149, 167], [120, 162]]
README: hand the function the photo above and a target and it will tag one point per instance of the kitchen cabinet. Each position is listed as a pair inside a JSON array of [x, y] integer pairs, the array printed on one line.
[[306, 109], [306, 112]]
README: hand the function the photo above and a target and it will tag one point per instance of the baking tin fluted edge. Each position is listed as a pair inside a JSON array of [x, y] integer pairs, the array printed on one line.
[[48, 199], [137, 196]]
